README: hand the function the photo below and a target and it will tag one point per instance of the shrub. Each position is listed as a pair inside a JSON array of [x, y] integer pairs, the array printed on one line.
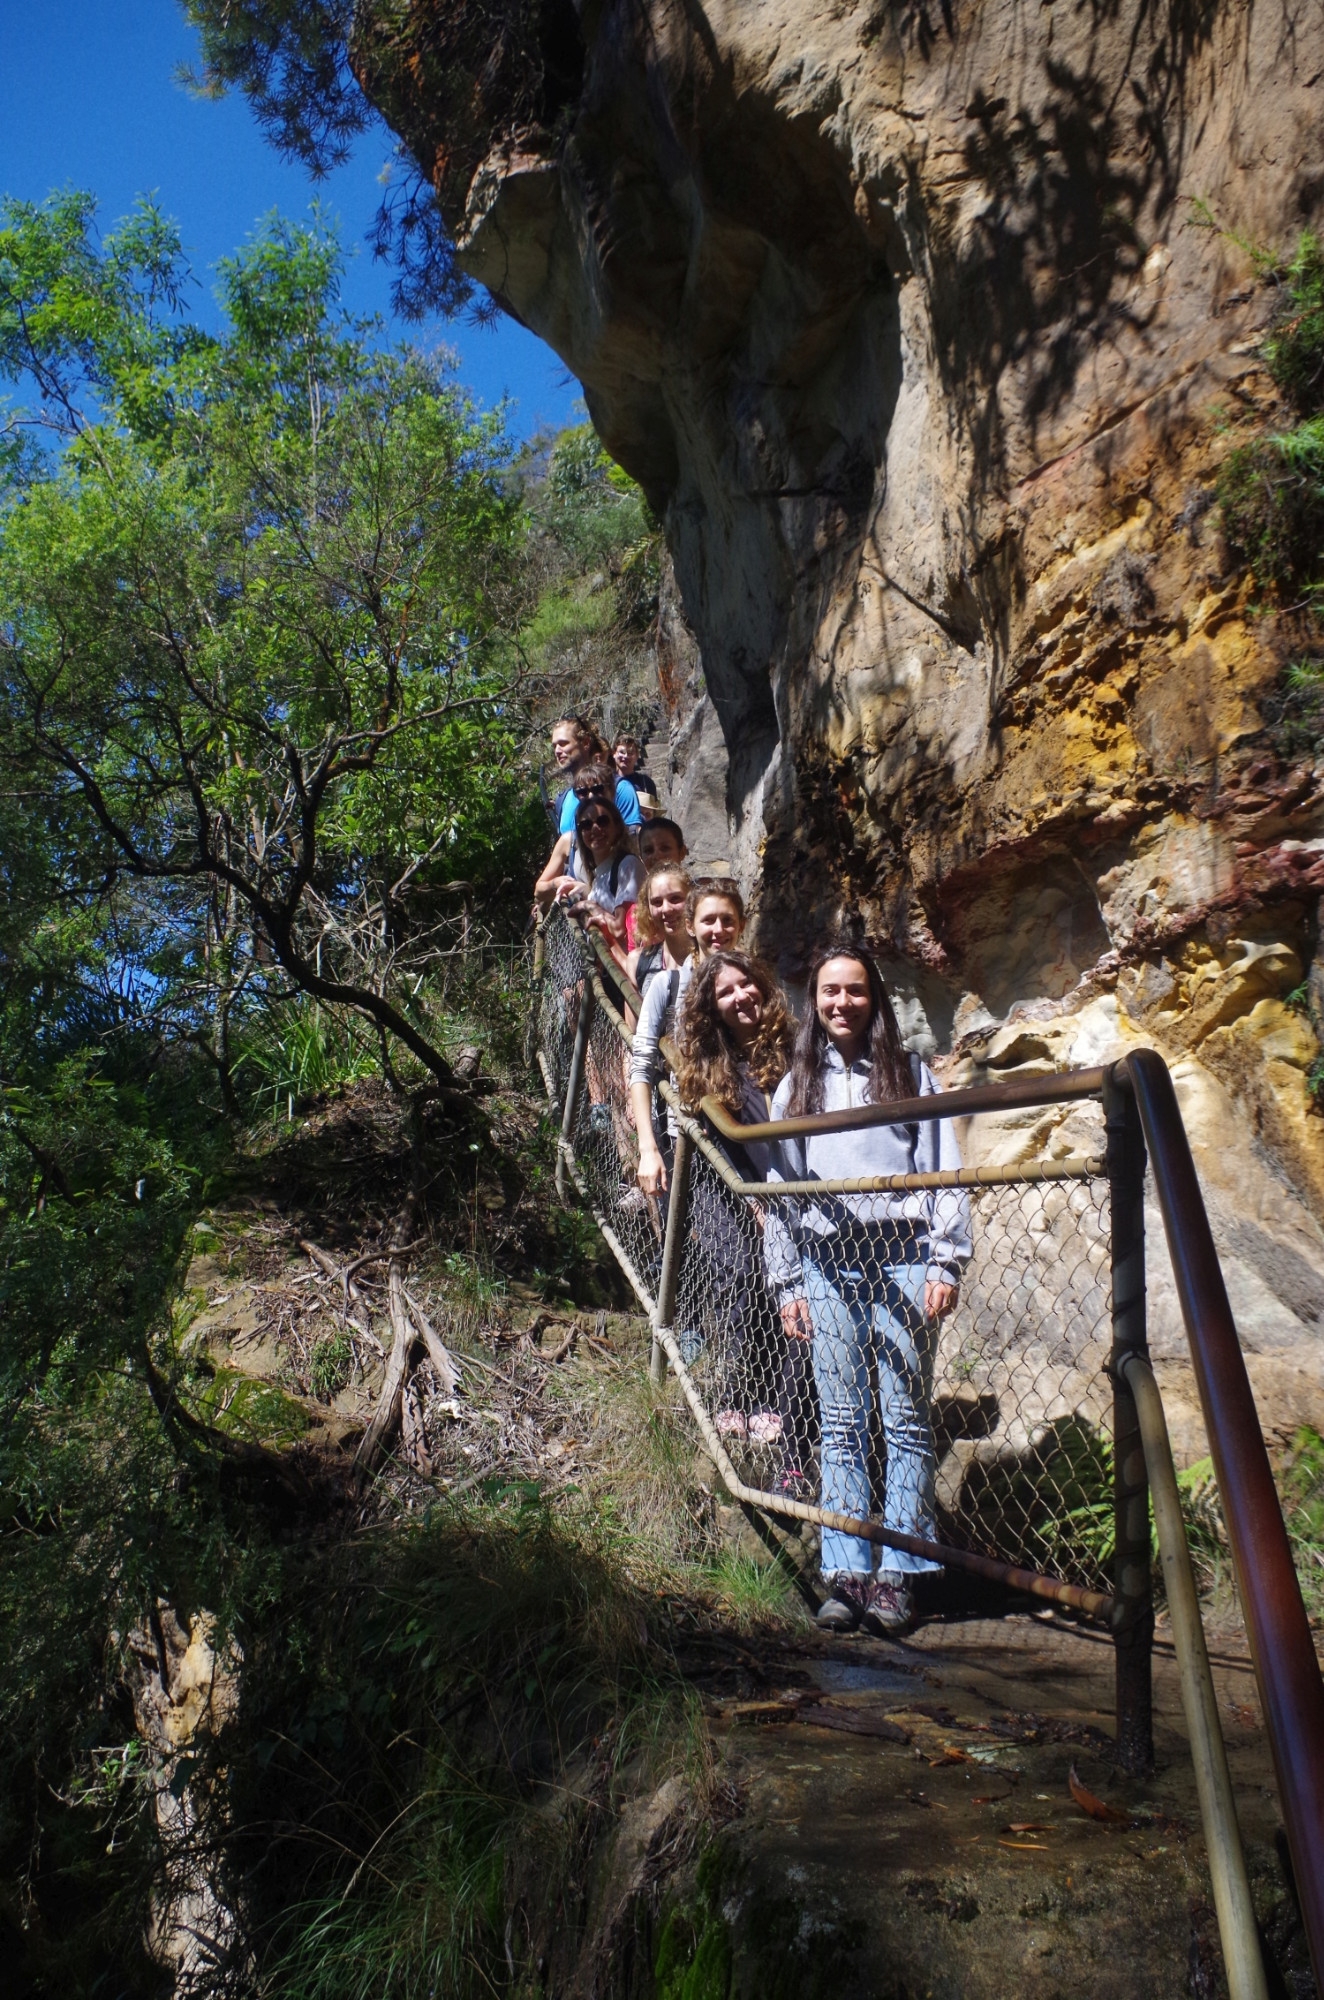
[[1272, 490], [1294, 713], [1272, 495], [1294, 350]]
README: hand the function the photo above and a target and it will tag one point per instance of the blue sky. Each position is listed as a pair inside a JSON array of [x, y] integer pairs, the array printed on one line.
[[90, 101]]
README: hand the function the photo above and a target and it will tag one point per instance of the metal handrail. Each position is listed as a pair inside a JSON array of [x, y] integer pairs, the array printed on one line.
[[1277, 1628], [1137, 1091], [1063, 1088], [1031, 1583], [1213, 1780]]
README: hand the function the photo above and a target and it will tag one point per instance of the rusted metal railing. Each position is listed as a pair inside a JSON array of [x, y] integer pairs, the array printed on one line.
[[1277, 1627], [1142, 1124]]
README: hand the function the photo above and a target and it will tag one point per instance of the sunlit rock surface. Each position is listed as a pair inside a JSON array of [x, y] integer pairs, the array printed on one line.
[[915, 324]]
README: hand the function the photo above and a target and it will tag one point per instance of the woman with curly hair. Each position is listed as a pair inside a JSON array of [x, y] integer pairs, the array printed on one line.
[[714, 919], [734, 1044]]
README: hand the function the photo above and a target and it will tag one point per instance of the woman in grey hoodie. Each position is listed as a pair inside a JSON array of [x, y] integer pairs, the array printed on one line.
[[866, 1277]]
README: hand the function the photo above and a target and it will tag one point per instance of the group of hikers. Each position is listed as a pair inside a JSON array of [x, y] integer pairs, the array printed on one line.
[[836, 1312]]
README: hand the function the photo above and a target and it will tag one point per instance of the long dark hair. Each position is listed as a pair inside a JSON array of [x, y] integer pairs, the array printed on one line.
[[708, 1061], [620, 838], [890, 1075]]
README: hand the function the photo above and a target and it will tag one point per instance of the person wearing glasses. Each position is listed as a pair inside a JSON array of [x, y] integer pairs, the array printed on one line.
[[593, 783], [609, 875]]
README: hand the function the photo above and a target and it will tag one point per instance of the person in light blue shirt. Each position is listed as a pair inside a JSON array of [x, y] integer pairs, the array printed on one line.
[[593, 782], [865, 1277], [567, 861]]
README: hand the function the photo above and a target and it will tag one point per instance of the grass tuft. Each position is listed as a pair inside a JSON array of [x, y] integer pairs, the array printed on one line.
[[1272, 489], [748, 1592]]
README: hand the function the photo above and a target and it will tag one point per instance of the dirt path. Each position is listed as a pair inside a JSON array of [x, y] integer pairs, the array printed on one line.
[[917, 1816]]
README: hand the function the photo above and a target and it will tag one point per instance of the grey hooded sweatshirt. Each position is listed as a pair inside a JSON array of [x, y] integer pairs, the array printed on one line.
[[805, 1223]]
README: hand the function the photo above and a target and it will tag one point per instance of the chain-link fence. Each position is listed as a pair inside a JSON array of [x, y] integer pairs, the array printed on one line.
[[988, 1430]]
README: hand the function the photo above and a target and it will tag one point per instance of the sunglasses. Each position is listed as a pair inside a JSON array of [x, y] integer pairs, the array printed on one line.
[[596, 820], [590, 791]]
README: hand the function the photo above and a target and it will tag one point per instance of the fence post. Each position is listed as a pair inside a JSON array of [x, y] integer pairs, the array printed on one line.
[[574, 1082], [1133, 1617], [678, 1212]]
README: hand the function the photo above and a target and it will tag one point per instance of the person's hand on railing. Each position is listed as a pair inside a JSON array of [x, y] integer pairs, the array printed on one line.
[[939, 1298], [796, 1320], [652, 1175]]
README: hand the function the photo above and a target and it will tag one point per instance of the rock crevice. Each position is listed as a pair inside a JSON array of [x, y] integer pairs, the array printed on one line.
[[914, 323]]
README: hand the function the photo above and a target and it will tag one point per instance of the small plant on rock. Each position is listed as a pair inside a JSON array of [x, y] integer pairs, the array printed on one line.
[[1272, 490]]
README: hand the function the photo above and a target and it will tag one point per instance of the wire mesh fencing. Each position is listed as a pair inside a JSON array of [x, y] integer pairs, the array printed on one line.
[[988, 1429], [601, 1151]]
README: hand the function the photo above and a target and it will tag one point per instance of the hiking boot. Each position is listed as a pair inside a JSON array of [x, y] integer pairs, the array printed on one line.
[[730, 1423], [843, 1607], [765, 1427], [890, 1610]]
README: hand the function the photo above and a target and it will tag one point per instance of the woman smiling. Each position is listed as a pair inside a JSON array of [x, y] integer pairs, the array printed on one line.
[[734, 1045], [865, 1278]]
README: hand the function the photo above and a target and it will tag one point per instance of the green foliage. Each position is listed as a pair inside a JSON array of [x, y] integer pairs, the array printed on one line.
[[600, 516], [1301, 1488], [750, 1592], [330, 1366], [241, 1406], [596, 553], [1294, 712], [252, 621], [1294, 349], [1272, 495], [733, 1934], [99, 1517], [308, 1052], [489, 1649], [1272, 490], [96, 1186], [696, 1966], [446, 87], [290, 58], [261, 716], [1063, 1494]]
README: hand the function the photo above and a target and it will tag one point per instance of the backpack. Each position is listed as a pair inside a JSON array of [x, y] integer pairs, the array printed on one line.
[[648, 966]]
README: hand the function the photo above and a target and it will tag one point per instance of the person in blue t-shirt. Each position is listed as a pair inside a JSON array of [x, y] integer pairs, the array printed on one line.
[[592, 782], [626, 755], [626, 798], [575, 746]]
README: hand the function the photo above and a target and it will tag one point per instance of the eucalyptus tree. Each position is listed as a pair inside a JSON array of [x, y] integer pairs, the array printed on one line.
[[253, 591]]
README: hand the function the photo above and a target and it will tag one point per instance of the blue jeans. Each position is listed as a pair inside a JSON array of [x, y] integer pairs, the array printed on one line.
[[870, 1315]]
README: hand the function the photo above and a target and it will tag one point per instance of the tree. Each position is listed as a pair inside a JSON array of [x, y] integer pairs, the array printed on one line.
[[251, 602]]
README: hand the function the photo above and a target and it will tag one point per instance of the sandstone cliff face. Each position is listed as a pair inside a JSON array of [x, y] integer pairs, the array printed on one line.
[[910, 320]]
